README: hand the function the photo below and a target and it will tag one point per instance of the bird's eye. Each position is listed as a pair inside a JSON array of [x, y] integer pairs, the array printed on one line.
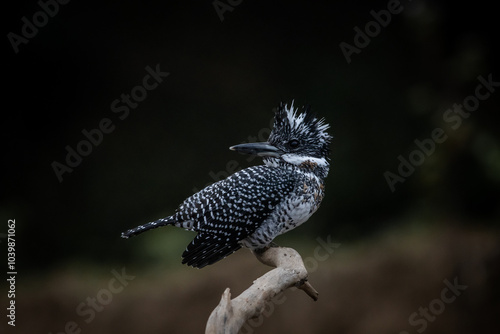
[[294, 143]]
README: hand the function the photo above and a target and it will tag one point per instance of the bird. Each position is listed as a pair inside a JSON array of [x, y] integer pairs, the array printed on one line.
[[256, 204]]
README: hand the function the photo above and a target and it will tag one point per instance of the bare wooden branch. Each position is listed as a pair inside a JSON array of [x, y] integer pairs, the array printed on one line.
[[230, 315]]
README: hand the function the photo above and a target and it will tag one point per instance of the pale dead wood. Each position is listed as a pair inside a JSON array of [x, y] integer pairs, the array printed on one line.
[[230, 315]]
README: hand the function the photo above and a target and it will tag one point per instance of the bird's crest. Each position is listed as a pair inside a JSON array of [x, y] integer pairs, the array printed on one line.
[[289, 124]]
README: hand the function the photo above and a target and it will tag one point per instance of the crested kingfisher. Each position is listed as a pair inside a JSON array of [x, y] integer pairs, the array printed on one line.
[[254, 205]]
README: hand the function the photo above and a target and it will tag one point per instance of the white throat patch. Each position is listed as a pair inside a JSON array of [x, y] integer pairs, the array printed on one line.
[[298, 160]]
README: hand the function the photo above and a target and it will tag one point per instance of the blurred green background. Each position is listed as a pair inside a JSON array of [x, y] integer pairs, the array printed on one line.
[[226, 76]]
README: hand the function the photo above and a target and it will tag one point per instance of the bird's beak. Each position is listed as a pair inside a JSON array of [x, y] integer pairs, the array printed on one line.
[[262, 149]]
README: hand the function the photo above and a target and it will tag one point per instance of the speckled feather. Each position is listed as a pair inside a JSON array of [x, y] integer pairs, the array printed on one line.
[[253, 206], [230, 210]]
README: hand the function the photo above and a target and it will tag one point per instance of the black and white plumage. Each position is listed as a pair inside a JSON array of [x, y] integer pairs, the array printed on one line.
[[253, 206]]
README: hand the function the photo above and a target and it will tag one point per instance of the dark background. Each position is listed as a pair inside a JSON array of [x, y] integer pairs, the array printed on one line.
[[225, 79]]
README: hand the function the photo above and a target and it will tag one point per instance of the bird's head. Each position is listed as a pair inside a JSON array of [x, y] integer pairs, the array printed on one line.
[[298, 139]]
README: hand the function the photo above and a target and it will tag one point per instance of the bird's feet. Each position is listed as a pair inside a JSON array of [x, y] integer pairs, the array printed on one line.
[[263, 249]]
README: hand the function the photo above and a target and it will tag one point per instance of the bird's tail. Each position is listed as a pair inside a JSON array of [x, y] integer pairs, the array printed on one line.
[[143, 228]]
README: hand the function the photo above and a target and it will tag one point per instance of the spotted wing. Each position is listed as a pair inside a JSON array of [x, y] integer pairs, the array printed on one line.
[[228, 211]]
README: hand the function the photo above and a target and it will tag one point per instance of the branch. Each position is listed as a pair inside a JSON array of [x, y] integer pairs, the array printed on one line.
[[230, 315]]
